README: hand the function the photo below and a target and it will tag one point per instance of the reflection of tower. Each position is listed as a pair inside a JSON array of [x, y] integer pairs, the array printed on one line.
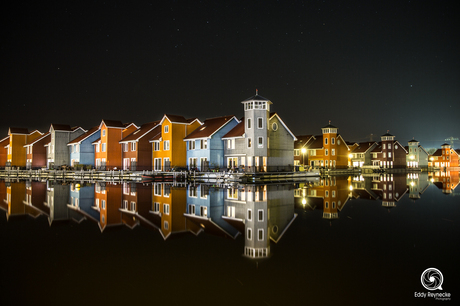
[[261, 213]]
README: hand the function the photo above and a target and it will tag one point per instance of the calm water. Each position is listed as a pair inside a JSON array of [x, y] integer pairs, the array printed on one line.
[[339, 240]]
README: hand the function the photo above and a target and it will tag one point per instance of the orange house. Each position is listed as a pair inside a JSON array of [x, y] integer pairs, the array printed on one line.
[[16, 150], [328, 150], [169, 147], [444, 158], [108, 152]]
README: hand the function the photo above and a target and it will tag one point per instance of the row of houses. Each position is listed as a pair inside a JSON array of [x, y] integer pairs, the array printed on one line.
[[330, 150], [260, 141]]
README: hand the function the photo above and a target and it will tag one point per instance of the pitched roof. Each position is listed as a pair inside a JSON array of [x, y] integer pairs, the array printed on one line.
[[329, 126], [316, 142], [112, 124], [412, 140], [143, 130], [210, 127], [60, 127], [156, 133], [46, 137], [284, 124], [363, 147], [237, 131], [14, 130], [302, 140], [256, 97], [80, 138]]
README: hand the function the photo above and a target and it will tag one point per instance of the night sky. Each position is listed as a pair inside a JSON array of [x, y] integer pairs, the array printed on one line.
[[368, 66]]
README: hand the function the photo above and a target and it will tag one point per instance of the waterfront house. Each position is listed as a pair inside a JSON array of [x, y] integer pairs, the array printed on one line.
[[300, 150], [169, 148], [82, 148], [108, 155], [445, 157], [37, 152], [16, 151], [417, 156], [137, 149], [389, 153], [328, 150], [58, 152], [360, 154], [205, 147], [261, 142]]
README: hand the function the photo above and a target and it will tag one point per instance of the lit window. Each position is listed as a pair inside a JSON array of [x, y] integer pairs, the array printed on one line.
[[249, 142]]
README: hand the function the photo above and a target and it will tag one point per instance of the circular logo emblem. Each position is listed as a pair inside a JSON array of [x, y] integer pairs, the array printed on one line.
[[432, 279]]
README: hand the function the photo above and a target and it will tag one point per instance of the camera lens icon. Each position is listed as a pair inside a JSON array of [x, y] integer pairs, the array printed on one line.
[[432, 279]]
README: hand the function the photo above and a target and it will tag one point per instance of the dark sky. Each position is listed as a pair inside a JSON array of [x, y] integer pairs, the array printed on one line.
[[368, 66]]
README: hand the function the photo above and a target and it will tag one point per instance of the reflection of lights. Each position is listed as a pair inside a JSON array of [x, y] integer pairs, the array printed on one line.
[[304, 201], [202, 225], [351, 187], [350, 155]]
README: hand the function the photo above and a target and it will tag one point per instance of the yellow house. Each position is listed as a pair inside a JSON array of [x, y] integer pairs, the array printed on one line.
[[16, 150], [169, 147]]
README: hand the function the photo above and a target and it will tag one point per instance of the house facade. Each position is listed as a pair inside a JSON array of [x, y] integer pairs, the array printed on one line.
[[168, 147], [417, 157], [82, 148], [445, 157], [137, 149], [16, 150], [108, 150], [300, 150], [205, 147], [261, 142], [36, 151], [4, 151], [328, 150], [360, 155], [58, 151], [389, 153]]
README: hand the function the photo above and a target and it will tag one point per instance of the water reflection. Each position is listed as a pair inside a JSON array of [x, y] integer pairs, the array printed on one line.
[[261, 214]]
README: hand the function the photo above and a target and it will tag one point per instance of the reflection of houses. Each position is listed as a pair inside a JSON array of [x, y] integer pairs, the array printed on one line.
[[444, 157], [328, 150], [136, 148], [13, 200], [261, 142], [107, 200], [447, 181], [205, 208], [417, 184], [82, 149], [81, 202], [16, 150], [57, 197], [360, 155], [36, 152], [261, 213], [388, 188], [205, 147], [169, 148], [389, 153], [136, 204], [35, 198], [169, 205], [108, 149], [61, 135], [330, 194], [417, 157]]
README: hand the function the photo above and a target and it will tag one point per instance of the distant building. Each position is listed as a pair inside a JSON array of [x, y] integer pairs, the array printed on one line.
[[360, 155], [82, 148], [58, 151], [389, 153], [16, 150], [37, 152], [445, 157], [417, 156]]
